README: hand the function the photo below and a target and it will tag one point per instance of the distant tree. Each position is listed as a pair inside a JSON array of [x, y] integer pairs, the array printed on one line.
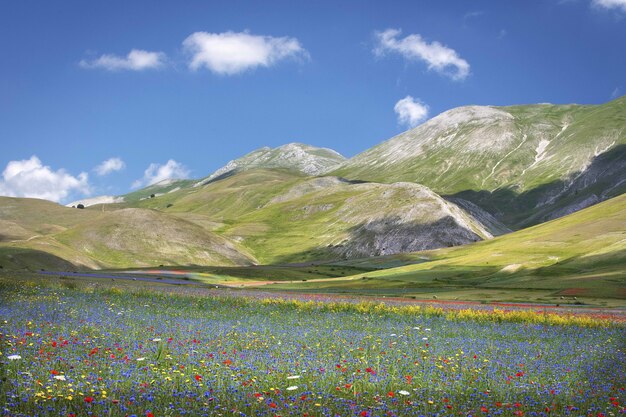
[[152, 195], [80, 206]]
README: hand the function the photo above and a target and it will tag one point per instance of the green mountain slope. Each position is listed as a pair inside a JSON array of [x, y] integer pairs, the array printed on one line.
[[113, 238], [297, 157], [524, 164], [498, 167], [284, 216], [582, 254]]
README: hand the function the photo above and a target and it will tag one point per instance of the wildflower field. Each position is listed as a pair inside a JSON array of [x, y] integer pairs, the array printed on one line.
[[89, 351]]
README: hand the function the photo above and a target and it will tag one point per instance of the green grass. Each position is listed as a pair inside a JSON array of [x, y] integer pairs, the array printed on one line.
[[579, 255]]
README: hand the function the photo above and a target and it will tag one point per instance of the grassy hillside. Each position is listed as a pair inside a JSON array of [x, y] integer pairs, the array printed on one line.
[[255, 216], [282, 216], [525, 164], [160, 188], [295, 157], [580, 255], [42, 234]]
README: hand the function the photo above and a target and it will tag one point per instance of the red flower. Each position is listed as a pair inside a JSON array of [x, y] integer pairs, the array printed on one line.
[[88, 400], [363, 414], [149, 414], [198, 378], [272, 405], [227, 362], [391, 394], [54, 372], [484, 409]]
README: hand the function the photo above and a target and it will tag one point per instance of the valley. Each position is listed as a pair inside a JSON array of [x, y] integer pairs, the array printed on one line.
[[431, 212]]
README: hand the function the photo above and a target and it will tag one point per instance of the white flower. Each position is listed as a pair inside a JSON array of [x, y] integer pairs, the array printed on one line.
[[291, 388], [403, 392], [60, 377], [293, 377], [14, 357], [140, 359], [156, 339], [427, 330], [424, 338], [392, 335]]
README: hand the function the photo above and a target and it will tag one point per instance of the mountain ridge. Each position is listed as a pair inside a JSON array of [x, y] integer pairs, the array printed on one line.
[[486, 170], [488, 148]]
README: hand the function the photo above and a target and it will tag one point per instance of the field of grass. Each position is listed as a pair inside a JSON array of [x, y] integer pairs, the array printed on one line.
[[83, 349]]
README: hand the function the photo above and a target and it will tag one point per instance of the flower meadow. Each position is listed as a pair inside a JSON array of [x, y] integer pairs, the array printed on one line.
[[106, 352]]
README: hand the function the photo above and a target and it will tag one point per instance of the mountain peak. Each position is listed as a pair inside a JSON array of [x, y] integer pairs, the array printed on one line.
[[294, 156]]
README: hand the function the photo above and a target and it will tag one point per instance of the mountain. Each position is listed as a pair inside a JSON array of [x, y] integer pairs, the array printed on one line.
[[286, 216], [254, 216], [92, 201], [581, 254], [467, 175], [523, 164], [151, 191], [160, 188], [39, 233], [293, 156]]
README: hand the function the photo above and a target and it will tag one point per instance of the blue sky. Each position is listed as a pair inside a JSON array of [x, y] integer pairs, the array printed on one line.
[[181, 88]]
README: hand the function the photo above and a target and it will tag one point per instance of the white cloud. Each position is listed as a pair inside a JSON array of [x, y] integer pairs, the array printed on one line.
[[610, 4], [411, 111], [230, 53], [110, 165], [157, 173], [30, 178], [136, 60], [471, 15], [439, 57]]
